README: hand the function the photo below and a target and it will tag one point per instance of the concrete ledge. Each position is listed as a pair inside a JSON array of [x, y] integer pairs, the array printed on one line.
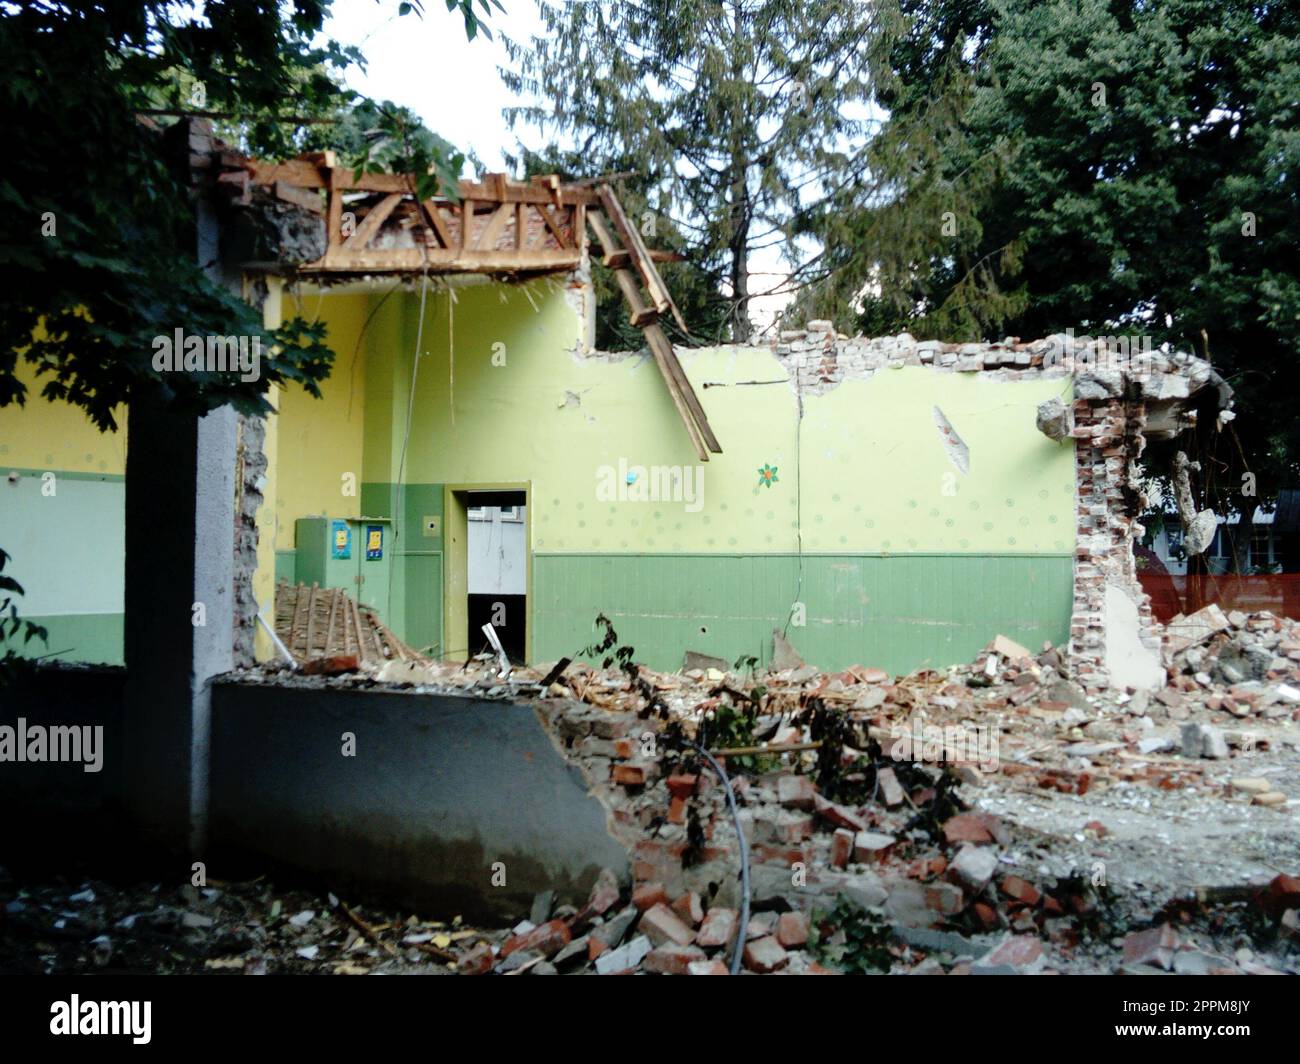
[[439, 790]]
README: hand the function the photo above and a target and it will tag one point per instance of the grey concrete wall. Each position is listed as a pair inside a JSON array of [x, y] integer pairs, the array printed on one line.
[[439, 790]]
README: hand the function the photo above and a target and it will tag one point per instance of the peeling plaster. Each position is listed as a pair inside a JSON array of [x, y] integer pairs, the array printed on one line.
[[953, 444]]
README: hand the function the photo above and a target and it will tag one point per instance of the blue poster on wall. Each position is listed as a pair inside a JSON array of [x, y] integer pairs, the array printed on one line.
[[340, 539], [374, 542]]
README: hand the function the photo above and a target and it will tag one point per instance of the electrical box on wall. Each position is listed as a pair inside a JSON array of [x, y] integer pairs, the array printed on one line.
[[352, 553]]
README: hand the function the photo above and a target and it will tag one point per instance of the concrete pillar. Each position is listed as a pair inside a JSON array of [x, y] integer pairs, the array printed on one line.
[[180, 562], [180, 519]]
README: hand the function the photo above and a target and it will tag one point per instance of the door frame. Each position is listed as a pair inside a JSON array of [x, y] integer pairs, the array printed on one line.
[[455, 562]]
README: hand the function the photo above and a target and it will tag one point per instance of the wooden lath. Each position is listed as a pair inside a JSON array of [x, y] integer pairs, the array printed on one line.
[[323, 622]]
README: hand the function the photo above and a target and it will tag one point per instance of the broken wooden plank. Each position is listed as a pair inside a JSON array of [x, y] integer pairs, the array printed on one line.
[[679, 401], [433, 216], [334, 213], [667, 358], [638, 313], [466, 223], [556, 229], [621, 258], [487, 240], [370, 224], [447, 260], [308, 199], [660, 297], [311, 618]]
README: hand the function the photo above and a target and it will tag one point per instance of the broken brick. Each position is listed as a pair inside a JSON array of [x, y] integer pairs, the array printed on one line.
[[681, 785], [838, 815], [871, 846], [547, 939], [891, 791], [628, 775], [792, 929], [795, 792], [718, 928], [966, 827], [1019, 890], [707, 968], [662, 926], [973, 867], [688, 907], [765, 955], [648, 895], [604, 894], [1155, 946], [944, 898], [1282, 893], [672, 959], [335, 665], [1018, 951], [477, 961], [841, 847]]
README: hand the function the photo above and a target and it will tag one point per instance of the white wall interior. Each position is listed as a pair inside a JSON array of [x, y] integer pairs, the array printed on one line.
[[497, 550]]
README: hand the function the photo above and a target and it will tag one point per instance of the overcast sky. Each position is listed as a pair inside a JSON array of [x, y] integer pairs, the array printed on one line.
[[427, 65]]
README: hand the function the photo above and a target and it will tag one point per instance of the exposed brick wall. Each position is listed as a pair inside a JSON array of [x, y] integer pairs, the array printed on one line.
[[250, 476]]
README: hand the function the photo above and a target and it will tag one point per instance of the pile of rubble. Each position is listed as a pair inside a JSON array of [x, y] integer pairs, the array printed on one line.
[[225, 928], [995, 816]]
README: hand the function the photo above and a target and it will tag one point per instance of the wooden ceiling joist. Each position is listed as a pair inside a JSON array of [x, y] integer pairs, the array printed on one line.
[[494, 226]]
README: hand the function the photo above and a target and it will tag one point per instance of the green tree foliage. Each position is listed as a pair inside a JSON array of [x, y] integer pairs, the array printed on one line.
[[1111, 166], [735, 111], [96, 231], [695, 291]]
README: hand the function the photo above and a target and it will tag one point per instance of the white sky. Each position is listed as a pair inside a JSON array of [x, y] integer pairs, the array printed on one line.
[[426, 64]]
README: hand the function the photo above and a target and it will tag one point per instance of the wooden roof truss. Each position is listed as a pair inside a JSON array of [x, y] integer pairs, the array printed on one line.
[[376, 224]]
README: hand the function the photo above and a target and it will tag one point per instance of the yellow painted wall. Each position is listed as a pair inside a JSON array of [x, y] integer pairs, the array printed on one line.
[[320, 440], [57, 436]]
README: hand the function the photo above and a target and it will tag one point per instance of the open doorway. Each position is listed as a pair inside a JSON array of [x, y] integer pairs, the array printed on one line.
[[488, 569]]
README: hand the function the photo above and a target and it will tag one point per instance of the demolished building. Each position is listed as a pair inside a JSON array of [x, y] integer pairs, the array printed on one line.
[[886, 499], [884, 506]]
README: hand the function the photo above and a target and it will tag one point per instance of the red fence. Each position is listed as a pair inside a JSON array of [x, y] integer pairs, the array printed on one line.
[[1278, 593]]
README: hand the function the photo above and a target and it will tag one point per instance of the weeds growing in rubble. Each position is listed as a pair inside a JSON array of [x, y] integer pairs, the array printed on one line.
[[851, 939]]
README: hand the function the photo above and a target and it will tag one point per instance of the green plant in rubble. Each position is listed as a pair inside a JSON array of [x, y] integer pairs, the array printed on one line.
[[728, 727], [851, 939]]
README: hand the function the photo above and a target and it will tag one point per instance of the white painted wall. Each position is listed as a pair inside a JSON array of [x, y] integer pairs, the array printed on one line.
[[67, 548], [497, 554]]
